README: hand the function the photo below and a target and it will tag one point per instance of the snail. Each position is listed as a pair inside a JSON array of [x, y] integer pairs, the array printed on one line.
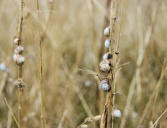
[[107, 31], [16, 41], [19, 50], [107, 43], [2, 67], [105, 65], [104, 85], [107, 56], [19, 59], [19, 83]]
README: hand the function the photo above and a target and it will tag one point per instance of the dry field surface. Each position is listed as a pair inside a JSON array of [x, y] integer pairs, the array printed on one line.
[[50, 51]]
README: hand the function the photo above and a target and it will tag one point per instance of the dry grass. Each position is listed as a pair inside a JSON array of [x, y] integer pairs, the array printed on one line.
[[71, 33]]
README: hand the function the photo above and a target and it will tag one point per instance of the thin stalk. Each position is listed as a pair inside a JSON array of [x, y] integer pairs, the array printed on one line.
[[89, 120], [20, 90], [43, 119], [42, 36], [10, 110], [106, 22], [112, 50], [154, 95], [156, 122], [108, 107], [140, 59], [116, 59], [120, 25]]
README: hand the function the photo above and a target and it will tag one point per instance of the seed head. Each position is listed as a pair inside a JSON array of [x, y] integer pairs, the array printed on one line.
[[19, 59], [107, 43], [104, 85], [105, 65], [107, 56], [107, 31], [19, 50]]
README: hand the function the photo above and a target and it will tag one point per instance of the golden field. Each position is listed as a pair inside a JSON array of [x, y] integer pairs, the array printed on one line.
[[72, 46]]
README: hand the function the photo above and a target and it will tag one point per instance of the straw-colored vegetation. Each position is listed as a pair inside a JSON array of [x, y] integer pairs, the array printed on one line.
[[63, 45]]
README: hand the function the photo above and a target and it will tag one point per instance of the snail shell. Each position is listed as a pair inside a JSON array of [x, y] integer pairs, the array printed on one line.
[[107, 31], [107, 56], [19, 49], [19, 59], [104, 85], [105, 65], [107, 43]]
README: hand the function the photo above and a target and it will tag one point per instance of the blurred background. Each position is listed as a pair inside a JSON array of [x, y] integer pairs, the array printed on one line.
[[73, 46]]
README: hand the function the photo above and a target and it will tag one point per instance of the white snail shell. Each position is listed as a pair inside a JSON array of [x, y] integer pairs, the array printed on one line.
[[16, 41], [107, 31], [105, 65], [107, 43], [2, 67], [107, 56], [19, 49], [117, 113], [104, 85], [14, 57], [19, 59]]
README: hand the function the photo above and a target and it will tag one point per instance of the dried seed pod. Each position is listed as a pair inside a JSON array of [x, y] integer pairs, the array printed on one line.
[[107, 56], [19, 84], [107, 31], [19, 50], [107, 43], [104, 85], [105, 65], [16, 40], [19, 59]]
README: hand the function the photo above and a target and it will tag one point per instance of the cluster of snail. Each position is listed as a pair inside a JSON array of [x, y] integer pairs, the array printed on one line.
[[17, 57], [19, 60], [105, 65]]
